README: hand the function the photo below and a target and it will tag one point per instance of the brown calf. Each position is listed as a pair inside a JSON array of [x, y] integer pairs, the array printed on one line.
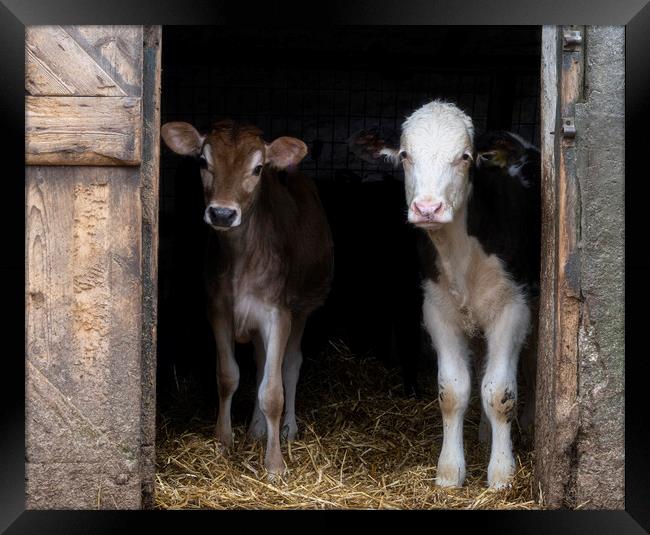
[[268, 265]]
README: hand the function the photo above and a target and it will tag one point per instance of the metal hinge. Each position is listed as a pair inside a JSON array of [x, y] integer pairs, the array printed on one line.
[[568, 127], [571, 39]]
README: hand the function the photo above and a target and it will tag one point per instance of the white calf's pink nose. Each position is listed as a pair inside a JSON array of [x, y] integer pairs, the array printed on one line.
[[427, 209]]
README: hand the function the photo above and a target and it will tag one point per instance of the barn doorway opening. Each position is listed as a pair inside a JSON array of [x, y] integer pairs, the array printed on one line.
[[367, 385]]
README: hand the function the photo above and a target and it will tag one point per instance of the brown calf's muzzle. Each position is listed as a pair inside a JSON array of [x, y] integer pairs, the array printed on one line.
[[222, 216]]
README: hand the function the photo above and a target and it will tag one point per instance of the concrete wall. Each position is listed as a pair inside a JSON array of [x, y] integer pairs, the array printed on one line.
[[600, 144]]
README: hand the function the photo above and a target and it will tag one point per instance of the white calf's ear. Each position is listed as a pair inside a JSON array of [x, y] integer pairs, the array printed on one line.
[[285, 151], [182, 138]]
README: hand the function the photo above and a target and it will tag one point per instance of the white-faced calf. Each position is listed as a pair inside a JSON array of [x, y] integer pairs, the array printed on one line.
[[469, 288], [268, 265]]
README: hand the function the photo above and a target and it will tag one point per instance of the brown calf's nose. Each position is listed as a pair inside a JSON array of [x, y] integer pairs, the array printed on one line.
[[221, 217]]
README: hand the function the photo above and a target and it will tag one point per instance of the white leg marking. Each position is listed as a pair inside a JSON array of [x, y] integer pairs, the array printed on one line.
[[271, 397]]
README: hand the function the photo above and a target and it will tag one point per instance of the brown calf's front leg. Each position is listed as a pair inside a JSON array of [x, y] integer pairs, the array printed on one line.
[[271, 396], [290, 373], [257, 426], [227, 372]]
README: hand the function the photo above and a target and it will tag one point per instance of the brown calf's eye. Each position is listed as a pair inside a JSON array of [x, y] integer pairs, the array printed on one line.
[[203, 162], [257, 170]]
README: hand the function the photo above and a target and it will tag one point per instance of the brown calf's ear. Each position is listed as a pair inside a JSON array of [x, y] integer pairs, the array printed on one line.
[[285, 151], [371, 147], [182, 138]]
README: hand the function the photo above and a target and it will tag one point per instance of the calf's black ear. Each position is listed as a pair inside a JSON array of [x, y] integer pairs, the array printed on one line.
[[372, 147]]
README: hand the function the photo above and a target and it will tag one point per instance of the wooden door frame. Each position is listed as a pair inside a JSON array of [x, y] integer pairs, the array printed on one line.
[[579, 424]]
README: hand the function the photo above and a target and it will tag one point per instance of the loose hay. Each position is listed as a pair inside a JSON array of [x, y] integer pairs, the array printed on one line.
[[361, 445]]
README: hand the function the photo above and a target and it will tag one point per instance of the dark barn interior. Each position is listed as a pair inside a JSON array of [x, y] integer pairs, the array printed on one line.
[[322, 86]]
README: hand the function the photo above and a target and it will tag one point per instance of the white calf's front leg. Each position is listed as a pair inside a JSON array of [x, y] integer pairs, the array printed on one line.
[[499, 387], [453, 386], [290, 374]]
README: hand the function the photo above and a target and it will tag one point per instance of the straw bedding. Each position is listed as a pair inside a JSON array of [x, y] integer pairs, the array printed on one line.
[[361, 445]]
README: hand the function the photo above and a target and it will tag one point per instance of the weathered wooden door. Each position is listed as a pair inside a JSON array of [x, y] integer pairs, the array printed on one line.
[[579, 446], [91, 152]]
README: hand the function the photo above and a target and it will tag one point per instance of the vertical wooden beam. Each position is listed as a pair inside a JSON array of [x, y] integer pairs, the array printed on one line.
[[150, 198], [557, 412], [544, 423]]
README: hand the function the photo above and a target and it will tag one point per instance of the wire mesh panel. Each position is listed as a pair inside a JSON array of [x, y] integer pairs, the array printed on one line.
[[525, 108], [326, 97]]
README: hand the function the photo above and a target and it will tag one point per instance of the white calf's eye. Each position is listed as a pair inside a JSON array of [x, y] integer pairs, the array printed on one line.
[[403, 155], [466, 156]]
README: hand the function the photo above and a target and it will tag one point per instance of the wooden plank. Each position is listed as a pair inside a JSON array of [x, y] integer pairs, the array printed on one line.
[[83, 329], [567, 299], [82, 130], [116, 49], [57, 65], [544, 399], [557, 378], [149, 178]]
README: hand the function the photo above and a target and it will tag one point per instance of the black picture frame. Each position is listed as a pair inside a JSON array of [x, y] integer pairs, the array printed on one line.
[[634, 14]]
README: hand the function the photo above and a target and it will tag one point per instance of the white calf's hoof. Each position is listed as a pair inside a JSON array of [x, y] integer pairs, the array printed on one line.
[[450, 475], [500, 485], [500, 474]]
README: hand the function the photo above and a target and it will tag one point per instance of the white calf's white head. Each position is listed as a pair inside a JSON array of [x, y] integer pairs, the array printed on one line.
[[436, 147]]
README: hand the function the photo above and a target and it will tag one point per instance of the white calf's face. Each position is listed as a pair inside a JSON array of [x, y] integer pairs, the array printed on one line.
[[436, 153]]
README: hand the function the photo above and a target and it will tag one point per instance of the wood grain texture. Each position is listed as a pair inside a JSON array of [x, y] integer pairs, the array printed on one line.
[[83, 130], [544, 421], [117, 49], [55, 64], [558, 410], [83, 60], [150, 178], [83, 329]]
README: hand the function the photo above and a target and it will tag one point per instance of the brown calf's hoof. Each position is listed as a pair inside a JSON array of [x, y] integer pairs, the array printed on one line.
[[288, 432], [256, 430], [224, 439]]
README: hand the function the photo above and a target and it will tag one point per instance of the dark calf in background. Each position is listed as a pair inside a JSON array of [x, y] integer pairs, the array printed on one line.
[[508, 174]]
